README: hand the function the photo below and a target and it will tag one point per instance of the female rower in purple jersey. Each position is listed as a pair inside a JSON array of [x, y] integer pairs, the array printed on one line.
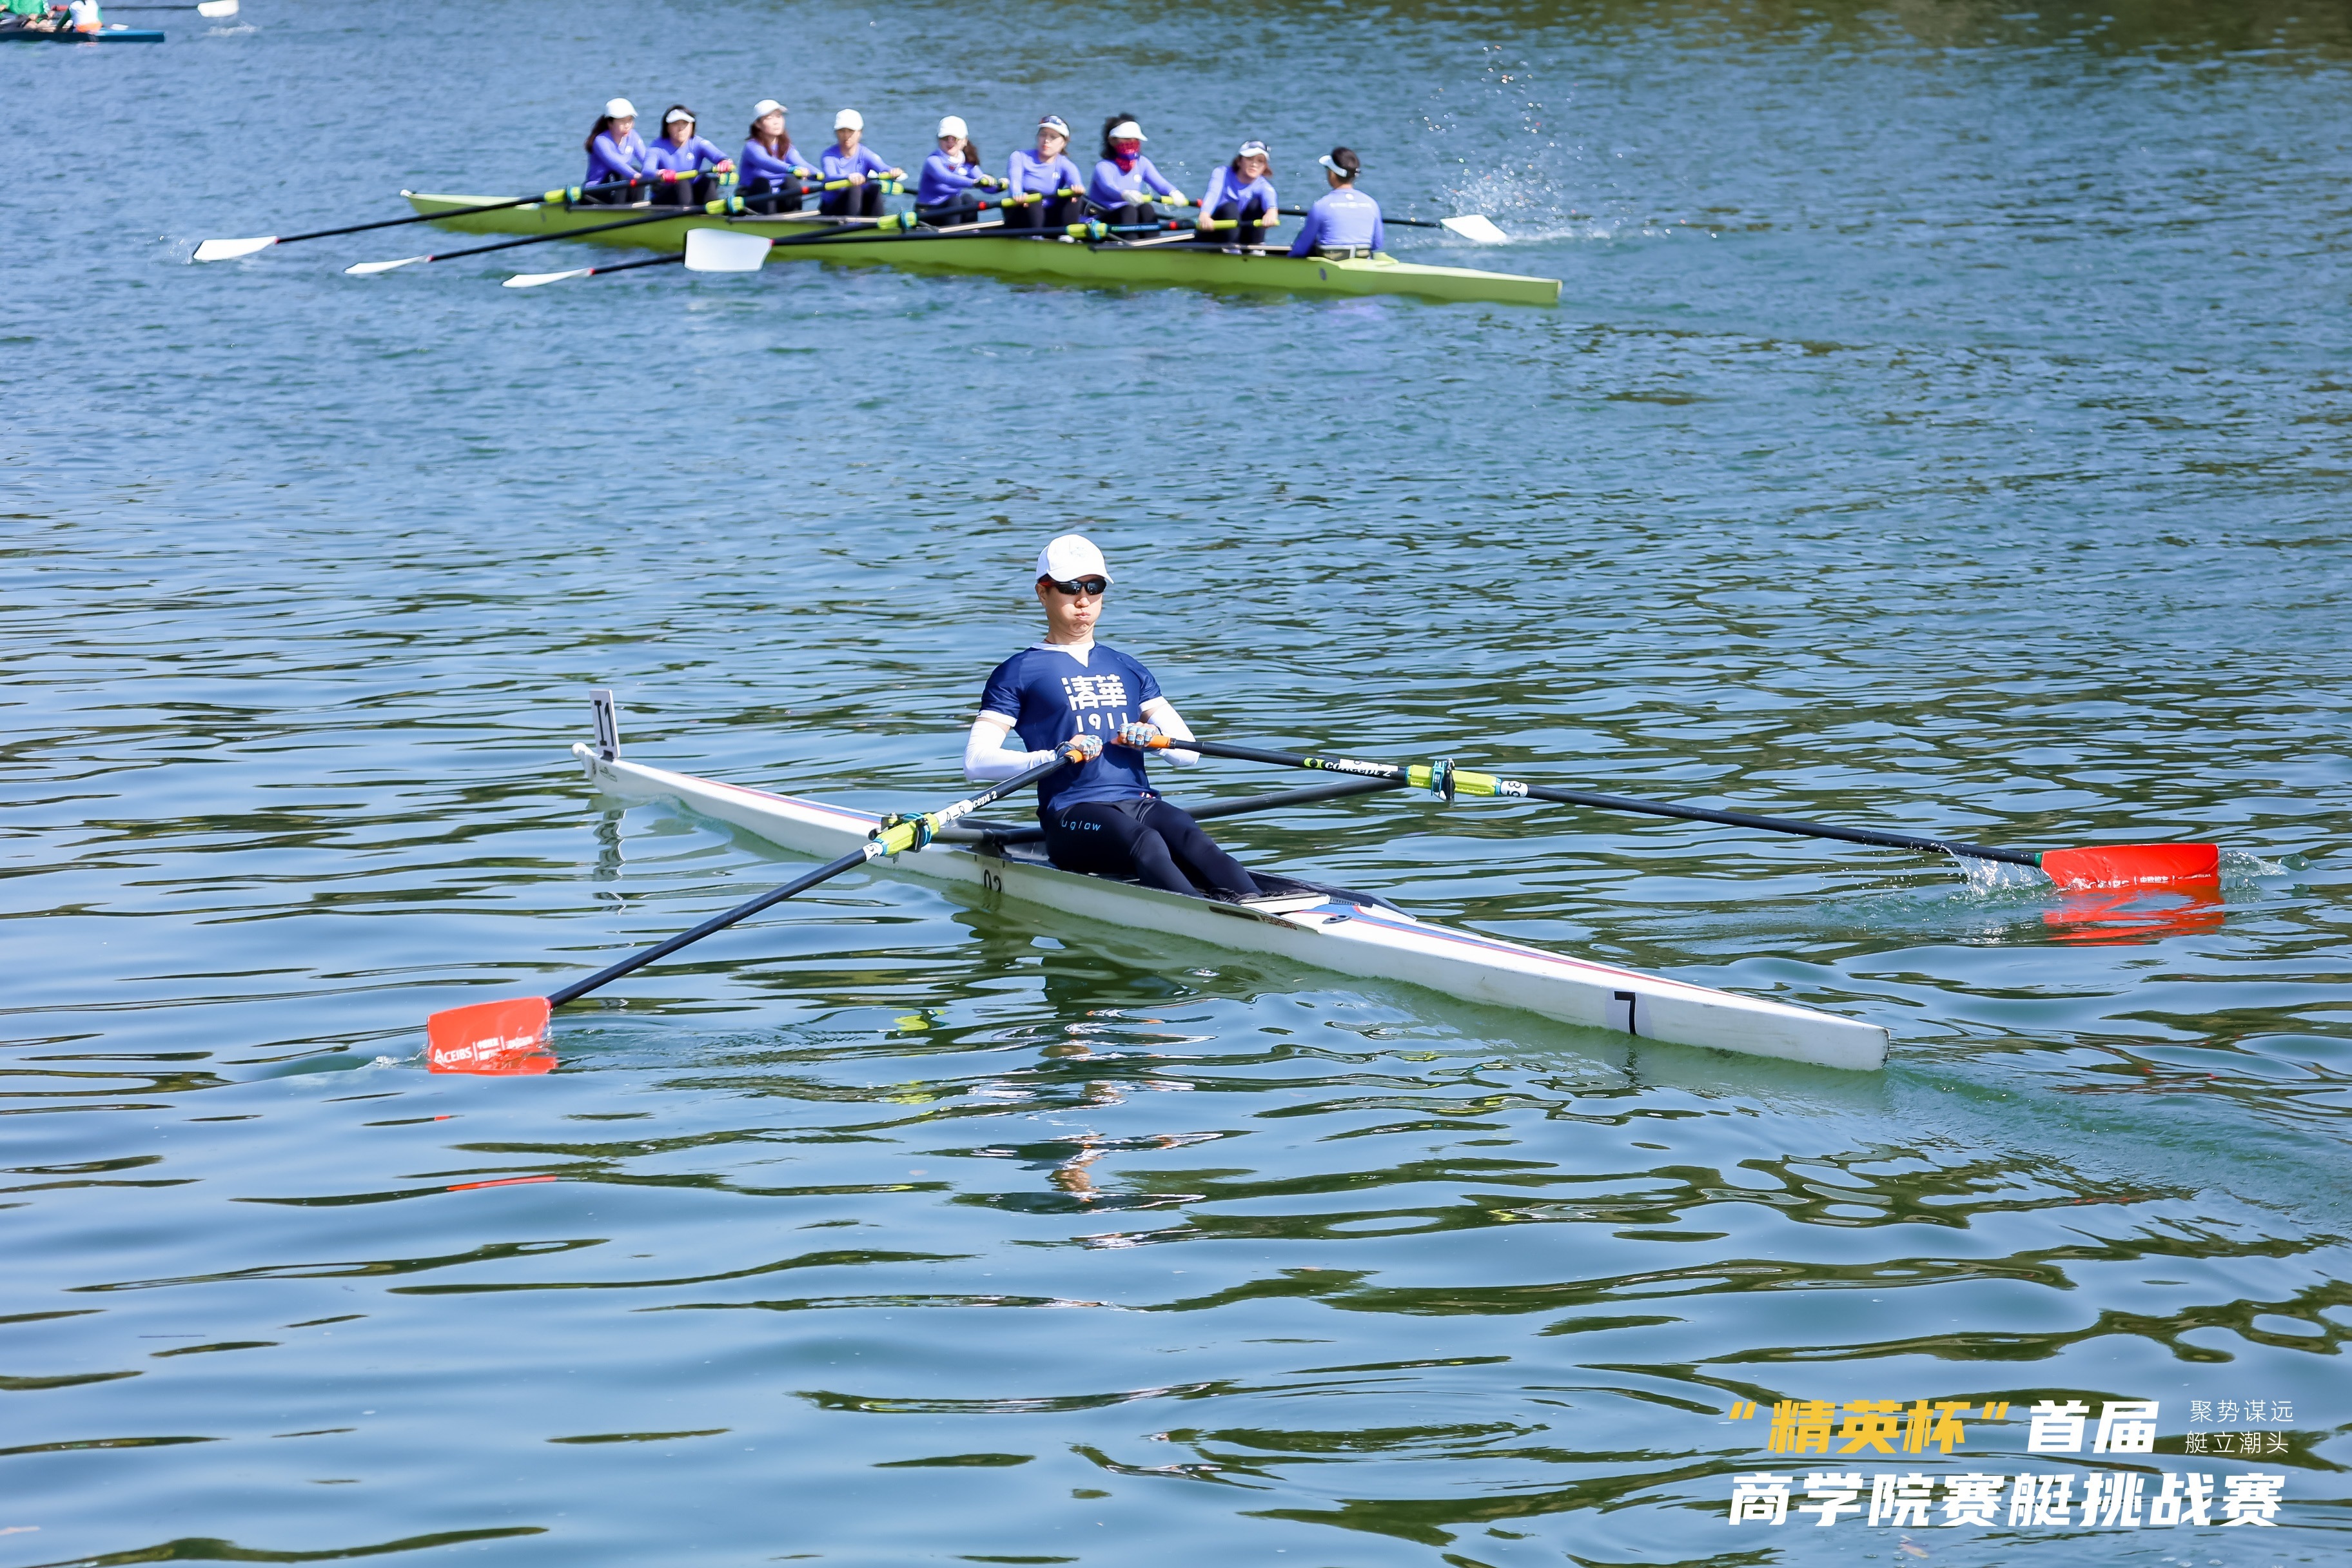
[[948, 189], [690, 160], [1243, 192], [1344, 222], [1103, 817], [615, 152], [1126, 185], [773, 170], [1048, 175], [849, 159]]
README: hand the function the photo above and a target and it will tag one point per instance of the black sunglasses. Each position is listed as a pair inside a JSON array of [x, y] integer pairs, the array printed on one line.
[[1094, 585]]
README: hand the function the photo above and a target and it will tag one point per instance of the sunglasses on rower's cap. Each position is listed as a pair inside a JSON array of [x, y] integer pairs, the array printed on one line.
[[1094, 585]]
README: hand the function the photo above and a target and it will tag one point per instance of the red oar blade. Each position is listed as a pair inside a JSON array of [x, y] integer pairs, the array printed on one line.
[[2128, 865], [493, 1038]]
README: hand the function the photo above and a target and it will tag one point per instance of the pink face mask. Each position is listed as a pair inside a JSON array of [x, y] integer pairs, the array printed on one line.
[[1125, 154]]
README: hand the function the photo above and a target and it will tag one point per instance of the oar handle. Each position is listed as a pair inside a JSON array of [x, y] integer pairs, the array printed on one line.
[[1447, 780]]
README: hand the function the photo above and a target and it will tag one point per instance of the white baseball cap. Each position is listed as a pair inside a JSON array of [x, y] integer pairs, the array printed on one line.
[[680, 112], [1127, 129], [954, 125], [1070, 557], [849, 120], [1056, 123], [621, 109], [765, 107]]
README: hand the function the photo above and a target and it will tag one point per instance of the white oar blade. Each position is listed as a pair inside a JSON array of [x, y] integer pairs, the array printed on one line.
[[1476, 227], [370, 268], [721, 250], [216, 8], [230, 249], [533, 280]]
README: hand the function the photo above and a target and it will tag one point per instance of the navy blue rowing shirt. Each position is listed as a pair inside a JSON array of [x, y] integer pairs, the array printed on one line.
[[1050, 697]]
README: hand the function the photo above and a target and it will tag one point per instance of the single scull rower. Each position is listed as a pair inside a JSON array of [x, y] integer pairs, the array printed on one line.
[[1103, 817]]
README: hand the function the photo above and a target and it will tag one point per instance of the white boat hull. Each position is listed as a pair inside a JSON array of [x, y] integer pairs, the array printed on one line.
[[1332, 933]]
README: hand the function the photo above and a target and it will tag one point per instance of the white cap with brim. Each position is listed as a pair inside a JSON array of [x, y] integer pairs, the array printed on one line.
[[1128, 131], [621, 109], [680, 112], [1055, 123], [849, 120], [954, 125], [1071, 557], [1341, 170], [765, 107]]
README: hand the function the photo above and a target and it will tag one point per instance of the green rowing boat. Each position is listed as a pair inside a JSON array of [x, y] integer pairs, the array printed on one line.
[[1008, 256]]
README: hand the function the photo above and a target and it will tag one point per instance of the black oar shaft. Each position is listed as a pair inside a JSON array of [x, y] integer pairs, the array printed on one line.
[[1400, 222], [460, 212], [1510, 787], [801, 884], [563, 234], [1776, 824], [636, 961]]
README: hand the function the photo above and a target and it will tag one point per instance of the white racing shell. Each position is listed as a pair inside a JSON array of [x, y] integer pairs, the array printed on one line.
[[1316, 929]]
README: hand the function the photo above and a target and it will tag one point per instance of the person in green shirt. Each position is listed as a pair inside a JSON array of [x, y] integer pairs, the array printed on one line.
[[32, 15]]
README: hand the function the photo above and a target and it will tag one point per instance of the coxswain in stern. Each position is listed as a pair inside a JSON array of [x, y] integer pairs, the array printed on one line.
[[1102, 817], [1343, 223], [1047, 175], [615, 152], [1242, 193], [774, 171], [1126, 187], [689, 161], [948, 191], [849, 159]]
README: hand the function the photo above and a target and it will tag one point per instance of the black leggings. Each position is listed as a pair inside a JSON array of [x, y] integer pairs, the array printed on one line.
[[688, 191], [1053, 213], [952, 215], [858, 201], [772, 196], [1146, 839], [1253, 227]]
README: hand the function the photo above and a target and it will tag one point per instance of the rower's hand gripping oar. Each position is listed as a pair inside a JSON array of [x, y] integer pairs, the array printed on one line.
[[508, 1038], [230, 249], [2099, 865], [1469, 225]]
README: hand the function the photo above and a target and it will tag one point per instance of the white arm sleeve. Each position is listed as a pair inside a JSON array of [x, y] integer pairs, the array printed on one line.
[[986, 757], [1162, 712]]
